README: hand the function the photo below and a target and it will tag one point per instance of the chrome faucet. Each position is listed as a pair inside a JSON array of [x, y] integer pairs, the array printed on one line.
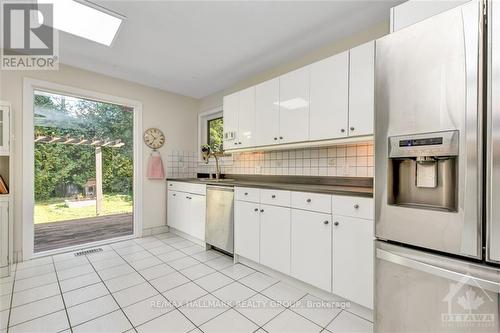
[[206, 154]]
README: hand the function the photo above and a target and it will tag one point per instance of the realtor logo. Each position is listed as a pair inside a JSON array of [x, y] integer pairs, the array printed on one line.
[[28, 39], [469, 306]]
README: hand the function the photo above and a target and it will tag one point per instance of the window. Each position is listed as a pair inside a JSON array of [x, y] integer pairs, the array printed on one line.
[[215, 132], [211, 130]]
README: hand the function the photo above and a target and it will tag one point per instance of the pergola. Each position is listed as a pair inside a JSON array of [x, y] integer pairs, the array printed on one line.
[[82, 141]]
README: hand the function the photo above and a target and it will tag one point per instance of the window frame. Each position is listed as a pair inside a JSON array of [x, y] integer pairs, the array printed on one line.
[[203, 118], [208, 121]]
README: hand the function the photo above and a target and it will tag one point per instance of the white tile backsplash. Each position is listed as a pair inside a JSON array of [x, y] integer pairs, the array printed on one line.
[[353, 160]]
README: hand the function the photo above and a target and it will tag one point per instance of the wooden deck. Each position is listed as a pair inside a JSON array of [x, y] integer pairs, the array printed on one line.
[[55, 235]]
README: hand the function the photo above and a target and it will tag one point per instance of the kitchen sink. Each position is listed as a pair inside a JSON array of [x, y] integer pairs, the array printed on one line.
[[208, 180]]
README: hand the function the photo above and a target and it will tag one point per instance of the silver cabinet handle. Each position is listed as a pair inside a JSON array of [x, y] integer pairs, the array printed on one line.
[[356, 206], [275, 138], [336, 223], [326, 222], [342, 130], [246, 193], [273, 196], [281, 138], [352, 128], [256, 210], [308, 200], [262, 211]]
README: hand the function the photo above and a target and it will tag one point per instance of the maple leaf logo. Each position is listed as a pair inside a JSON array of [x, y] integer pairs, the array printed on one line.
[[470, 301]]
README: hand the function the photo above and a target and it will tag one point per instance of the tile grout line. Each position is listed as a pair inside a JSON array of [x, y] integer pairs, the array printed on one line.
[[111, 294], [62, 297], [158, 291], [11, 300], [230, 307]]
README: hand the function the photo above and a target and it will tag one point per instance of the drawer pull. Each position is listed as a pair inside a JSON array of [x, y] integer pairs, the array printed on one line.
[[336, 223], [352, 128], [189, 198], [342, 130], [246, 193], [256, 210], [326, 222], [174, 194], [275, 139], [273, 196], [356, 206], [262, 211], [308, 200], [281, 138]]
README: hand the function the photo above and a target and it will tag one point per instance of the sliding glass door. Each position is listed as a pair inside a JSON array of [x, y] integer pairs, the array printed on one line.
[[83, 170]]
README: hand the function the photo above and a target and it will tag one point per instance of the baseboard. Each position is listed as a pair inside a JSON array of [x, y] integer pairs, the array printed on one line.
[[350, 306], [154, 231], [187, 236]]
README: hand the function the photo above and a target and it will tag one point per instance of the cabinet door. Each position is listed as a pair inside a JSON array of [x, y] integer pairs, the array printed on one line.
[[361, 89], [4, 130], [267, 112], [4, 234], [246, 119], [197, 209], [247, 230], [311, 254], [329, 98], [294, 106], [231, 106], [353, 259], [275, 238], [174, 203]]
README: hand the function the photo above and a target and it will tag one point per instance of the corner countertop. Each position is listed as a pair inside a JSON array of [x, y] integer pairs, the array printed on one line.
[[351, 186]]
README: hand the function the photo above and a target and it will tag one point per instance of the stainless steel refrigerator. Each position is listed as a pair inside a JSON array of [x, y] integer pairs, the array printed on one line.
[[437, 177]]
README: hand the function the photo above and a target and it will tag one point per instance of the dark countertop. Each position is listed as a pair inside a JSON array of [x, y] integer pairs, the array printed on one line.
[[352, 186]]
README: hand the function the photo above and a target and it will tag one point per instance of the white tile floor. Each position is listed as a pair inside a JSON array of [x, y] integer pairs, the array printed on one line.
[[162, 283]]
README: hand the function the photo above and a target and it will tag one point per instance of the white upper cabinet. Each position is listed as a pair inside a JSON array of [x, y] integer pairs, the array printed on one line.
[[246, 118], [231, 106], [294, 106], [329, 102], [361, 89], [267, 112]]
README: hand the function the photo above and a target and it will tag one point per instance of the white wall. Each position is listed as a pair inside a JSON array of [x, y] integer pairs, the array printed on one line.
[[374, 32], [175, 115]]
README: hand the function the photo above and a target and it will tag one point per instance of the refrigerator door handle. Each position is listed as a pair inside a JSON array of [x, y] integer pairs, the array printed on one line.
[[437, 271], [493, 136]]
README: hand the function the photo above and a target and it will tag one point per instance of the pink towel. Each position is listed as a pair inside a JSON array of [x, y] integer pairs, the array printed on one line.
[[155, 167]]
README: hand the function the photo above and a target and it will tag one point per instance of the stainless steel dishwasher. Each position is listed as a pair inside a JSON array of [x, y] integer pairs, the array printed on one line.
[[219, 229]]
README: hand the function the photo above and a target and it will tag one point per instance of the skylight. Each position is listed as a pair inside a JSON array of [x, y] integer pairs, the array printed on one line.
[[84, 19]]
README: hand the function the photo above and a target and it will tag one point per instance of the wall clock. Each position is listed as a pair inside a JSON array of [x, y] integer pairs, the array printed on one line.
[[154, 138]]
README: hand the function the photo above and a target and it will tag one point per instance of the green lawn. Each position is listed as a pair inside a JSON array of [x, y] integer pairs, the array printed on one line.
[[54, 209]]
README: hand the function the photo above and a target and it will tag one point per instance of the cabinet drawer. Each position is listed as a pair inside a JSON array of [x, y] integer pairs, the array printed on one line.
[[353, 206], [187, 187], [247, 194], [275, 197], [312, 201]]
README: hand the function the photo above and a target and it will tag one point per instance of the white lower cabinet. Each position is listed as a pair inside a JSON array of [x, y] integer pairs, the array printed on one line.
[[311, 248], [353, 259], [197, 218], [275, 237], [247, 230], [4, 236], [186, 212]]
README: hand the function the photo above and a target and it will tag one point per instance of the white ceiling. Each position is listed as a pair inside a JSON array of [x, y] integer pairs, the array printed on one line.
[[198, 48]]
